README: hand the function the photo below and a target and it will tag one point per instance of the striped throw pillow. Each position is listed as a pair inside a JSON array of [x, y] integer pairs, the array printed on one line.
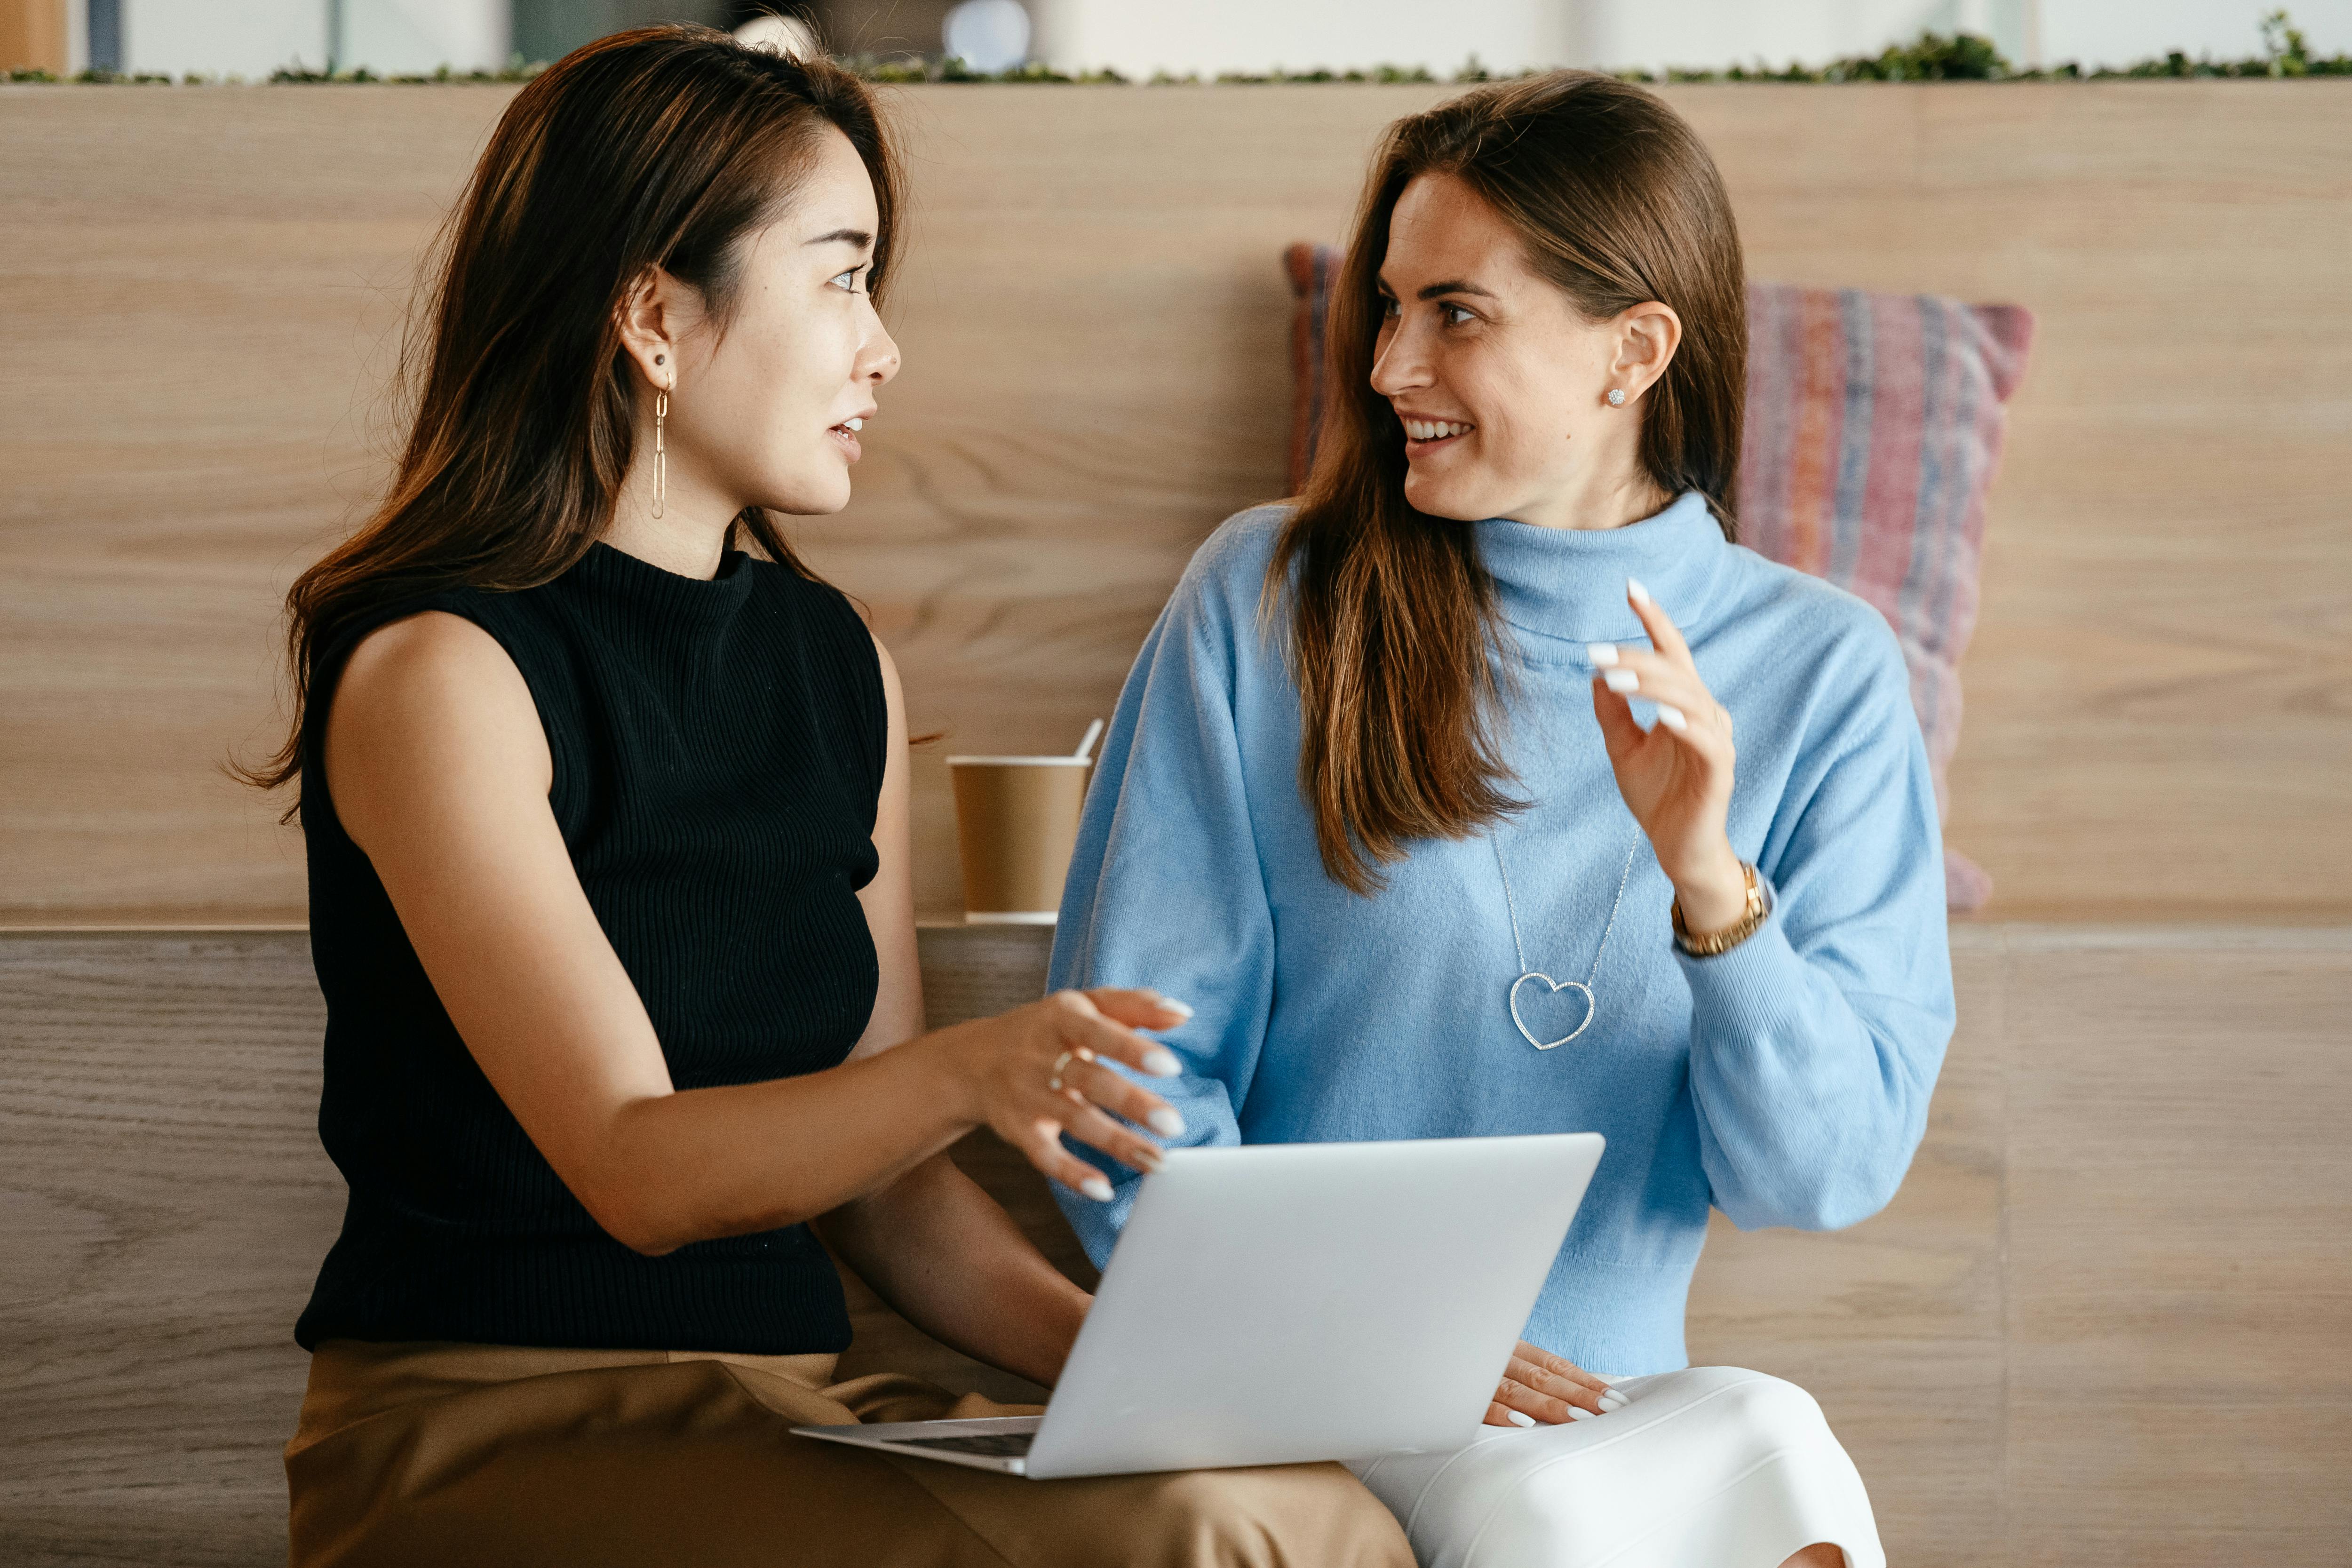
[[1874, 430]]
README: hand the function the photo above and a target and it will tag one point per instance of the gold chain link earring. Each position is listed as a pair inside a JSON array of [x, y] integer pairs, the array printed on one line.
[[661, 458]]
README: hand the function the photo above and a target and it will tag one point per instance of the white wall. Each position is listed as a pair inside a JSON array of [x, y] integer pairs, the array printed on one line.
[[2118, 32], [1139, 37], [1210, 36], [247, 38], [253, 37], [416, 35], [1658, 34]]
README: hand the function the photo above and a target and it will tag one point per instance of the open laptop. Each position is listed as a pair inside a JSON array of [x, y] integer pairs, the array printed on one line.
[[1284, 1302]]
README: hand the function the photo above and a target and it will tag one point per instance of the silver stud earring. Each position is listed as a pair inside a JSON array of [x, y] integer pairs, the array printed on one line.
[[1616, 397]]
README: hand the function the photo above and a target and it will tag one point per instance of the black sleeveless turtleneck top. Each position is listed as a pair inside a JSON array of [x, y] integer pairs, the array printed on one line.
[[718, 751]]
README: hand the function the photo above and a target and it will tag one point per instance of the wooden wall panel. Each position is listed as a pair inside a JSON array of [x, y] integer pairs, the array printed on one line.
[[197, 289], [166, 1204], [1896, 1325], [2180, 1194]]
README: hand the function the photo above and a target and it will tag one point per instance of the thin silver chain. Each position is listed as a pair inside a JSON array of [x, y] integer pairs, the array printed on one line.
[[1512, 905]]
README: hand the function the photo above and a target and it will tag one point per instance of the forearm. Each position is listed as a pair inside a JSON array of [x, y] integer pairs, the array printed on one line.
[[1810, 1100], [952, 1261], [706, 1163]]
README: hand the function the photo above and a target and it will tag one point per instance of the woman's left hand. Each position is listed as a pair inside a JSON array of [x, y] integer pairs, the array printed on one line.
[[1547, 1390], [1677, 776]]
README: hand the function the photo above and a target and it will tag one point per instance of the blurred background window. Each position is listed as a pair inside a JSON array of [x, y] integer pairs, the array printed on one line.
[[1139, 39], [1135, 36]]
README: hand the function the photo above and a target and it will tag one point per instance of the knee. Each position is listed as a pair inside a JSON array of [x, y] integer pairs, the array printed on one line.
[[1302, 1513], [1767, 1407]]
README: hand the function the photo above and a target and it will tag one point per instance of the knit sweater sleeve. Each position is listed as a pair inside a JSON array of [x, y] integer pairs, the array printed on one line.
[[1165, 888], [1815, 1043]]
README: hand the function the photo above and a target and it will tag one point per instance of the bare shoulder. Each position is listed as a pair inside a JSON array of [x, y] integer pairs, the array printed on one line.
[[426, 668], [428, 703], [889, 666]]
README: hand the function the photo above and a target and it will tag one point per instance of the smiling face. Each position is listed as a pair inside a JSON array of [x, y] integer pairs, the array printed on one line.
[[1501, 385], [766, 413]]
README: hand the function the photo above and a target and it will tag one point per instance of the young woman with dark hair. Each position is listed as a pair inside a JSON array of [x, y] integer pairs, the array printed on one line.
[[1377, 799], [610, 902]]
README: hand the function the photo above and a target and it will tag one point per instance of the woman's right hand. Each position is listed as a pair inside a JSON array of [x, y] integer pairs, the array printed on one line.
[[1009, 1065]]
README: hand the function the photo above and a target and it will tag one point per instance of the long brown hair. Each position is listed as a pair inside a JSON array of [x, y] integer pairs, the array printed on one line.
[[1393, 617], [659, 147]]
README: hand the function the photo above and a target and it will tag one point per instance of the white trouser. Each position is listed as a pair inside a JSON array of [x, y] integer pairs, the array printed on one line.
[[1711, 1467]]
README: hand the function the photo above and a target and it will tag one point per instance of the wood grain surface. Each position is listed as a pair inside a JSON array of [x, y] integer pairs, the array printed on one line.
[[2103, 1322], [200, 289]]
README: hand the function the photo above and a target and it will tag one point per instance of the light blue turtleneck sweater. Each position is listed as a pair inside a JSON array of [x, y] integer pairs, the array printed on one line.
[[1785, 1081]]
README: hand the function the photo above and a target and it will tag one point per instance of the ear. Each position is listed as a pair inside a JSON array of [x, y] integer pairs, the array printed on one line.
[[1647, 336], [653, 314]]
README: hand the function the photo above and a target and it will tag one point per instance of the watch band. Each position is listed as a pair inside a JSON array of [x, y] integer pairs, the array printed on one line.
[[1732, 936]]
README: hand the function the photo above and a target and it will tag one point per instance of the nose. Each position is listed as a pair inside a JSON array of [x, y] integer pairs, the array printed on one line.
[[878, 360], [1401, 366]]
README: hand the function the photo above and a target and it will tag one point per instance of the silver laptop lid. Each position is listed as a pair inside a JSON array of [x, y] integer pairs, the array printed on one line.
[[1286, 1302]]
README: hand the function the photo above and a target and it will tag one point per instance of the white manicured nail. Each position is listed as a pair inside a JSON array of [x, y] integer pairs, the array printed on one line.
[[1635, 592], [1579, 1413], [1520, 1417], [1170, 1004], [1672, 718], [1166, 1123], [1162, 1064], [1622, 680], [1611, 1400], [1096, 1188], [1601, 653]]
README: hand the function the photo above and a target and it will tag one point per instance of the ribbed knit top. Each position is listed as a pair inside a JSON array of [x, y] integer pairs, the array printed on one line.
[[718, 748]]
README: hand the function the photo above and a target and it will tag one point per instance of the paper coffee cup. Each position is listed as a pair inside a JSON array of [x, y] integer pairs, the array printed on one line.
[[1016, 823]]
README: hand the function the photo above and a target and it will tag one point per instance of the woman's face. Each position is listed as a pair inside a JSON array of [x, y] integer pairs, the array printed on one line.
[[1500, 383], [767, 413]]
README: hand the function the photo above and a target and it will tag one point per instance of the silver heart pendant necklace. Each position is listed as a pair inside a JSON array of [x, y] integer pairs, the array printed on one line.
[[1554, 988]]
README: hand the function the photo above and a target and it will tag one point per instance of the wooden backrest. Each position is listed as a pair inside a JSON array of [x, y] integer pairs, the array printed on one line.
[[2098, 1323]]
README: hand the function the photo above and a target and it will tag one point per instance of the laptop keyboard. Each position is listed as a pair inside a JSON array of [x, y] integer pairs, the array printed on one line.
[[994, 1445]]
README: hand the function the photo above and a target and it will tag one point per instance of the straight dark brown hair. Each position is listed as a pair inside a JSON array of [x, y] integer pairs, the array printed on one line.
[[1394, 624], [660, 147]]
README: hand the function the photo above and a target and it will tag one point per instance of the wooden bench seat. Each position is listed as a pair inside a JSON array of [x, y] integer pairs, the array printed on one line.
[[2104, 1320]]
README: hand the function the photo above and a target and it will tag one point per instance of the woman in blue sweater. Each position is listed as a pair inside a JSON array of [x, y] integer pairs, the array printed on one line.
[[1424, 793]]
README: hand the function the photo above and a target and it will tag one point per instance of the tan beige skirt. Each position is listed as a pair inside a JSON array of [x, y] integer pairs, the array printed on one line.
[[456, 1454]]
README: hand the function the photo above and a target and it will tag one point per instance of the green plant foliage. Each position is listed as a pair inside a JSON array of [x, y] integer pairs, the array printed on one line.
[[1386, 74], [908, 69], [1968, 58], [302, 75]]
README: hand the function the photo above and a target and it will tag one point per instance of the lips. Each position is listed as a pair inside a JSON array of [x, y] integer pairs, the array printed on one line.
[[846, 433]]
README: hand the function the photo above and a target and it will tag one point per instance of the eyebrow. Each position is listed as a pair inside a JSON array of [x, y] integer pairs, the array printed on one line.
[[856, 236], [1452, 286]]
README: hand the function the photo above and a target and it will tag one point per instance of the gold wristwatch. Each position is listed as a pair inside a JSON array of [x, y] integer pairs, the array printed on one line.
[[1732, 935]]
